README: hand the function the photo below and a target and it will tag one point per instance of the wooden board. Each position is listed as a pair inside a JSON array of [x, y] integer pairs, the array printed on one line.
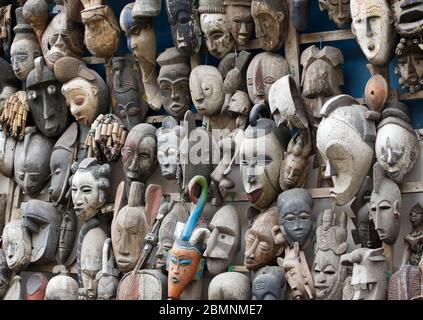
[[327, 36], [292, 51]]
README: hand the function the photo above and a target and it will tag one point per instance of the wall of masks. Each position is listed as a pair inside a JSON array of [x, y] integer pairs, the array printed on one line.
[[187, 150]]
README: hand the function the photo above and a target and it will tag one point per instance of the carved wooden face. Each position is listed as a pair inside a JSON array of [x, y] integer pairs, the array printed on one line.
[[16, 245], [384, 206], [224, 241], [206, 85], [4, 273], [242, 23], [184, 26], [338, 10], [217, 33], [366, 230], [129, 228], [408, 16], [183, 263], [261, 160], [270, 24], [62, 287], [91, 260], [142, 43], [396, 150], [260, 248], [410, 66], [346, 155], [60, 168], [67, 235], [83, 100], [263, 71], [167, 153], [268, 284], [293, 171], [416, 217], [374, 30], [7, 153], [326, 271], [101, 31], [23, 52], [296, 221]]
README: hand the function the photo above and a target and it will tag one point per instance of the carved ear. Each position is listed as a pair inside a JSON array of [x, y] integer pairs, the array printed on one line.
[[153, 197], [279, 260], [280, 16], [277, 235], [119, 198]]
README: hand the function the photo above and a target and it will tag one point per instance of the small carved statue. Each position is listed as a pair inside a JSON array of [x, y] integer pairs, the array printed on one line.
[[15, 114], [62, 158], [42, 220], [261, 156], [108, 277], [372, 24], [345, 139], [7, 154], [85, 91], [36, 14], [139, 154], [269, 284], [338, 10], [184, 25], [385, 203], [16, 245], [413, 242], [169, 137], [238, 13], [32, 157], [263, 71], [36, 286], [260, 246], [142, 42], [216, 27], [409, 68], [174, 82], [62, 287], [295, 162], [185, 258], [224, 241], [397, 147], [271, 19], [89, 186], [6, 35], [62, 38], [328, 273], [46, 102], [5, 273], [25, 47], [230, 286], [369, 279], [102, 32], [322, 79], [407, 17]]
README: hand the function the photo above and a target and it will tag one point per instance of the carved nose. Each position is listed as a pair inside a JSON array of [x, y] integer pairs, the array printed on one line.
[[133, 164], [50, 190], [369, 31], [243, 29]]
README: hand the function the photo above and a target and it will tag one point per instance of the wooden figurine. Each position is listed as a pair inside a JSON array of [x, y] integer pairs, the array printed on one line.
[[85, 91], [261, 156], [89, 186], [263, 71], [142, 42], [131, 224], [102, 32], [345, 139], [269, 284], [46, 102], [62, 287], [184, 25], [174, 82], [16, 245], [372, 24], [322, 79], [42, 220], [61, 160], [108, 277], [216, 27], [407, 18], [409, 69], [260, 247], [295, 163], [127, 91], [405, 284], [238, 13], [36, 286], [328, 273], [36, 15], [185, 258], [7, 154], [369, 279], [224, 241], [15, 114], [413, 242], [271, 18], [6, 35], [169, 137], [62, 38], [139, 154], [25, 47], [338, 10], [397, 147], [5, 273], [31, 161], [230, 286]]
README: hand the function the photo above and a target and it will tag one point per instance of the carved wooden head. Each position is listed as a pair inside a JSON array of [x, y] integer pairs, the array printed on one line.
[[409, 69], [16, 245], [238, 12], [269, 284], [230, 286], [408, 17], [338, 10], [62, 287]]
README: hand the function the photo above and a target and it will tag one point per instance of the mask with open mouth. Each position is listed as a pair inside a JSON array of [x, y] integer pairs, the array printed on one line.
[[408, 15]]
